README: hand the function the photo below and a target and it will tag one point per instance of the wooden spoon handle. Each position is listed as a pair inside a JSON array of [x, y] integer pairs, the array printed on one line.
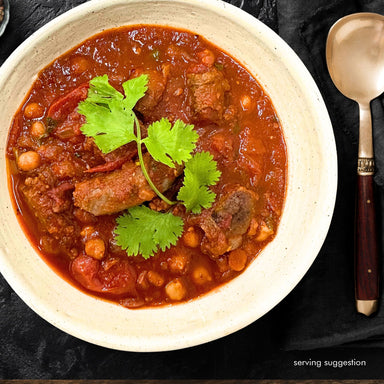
[[366, 251]]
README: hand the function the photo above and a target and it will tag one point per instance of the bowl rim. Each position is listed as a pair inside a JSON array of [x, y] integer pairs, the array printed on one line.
[[54, 318]]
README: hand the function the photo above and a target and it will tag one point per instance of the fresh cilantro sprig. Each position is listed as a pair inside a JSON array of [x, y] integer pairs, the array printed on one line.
[[112, 123], [143, 231]]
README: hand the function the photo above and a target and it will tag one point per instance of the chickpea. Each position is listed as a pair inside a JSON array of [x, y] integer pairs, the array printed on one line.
[[73, 253], [164, 266], [132, 302], [201, 275], [264, 232], [79, 64], [155, 278], [87, 231], [37, 129], [237, 260], [191, 238], [176, 289], [33, 110], [207, 57], [95, 248], [28, 161], [178, 263], [245, 102]]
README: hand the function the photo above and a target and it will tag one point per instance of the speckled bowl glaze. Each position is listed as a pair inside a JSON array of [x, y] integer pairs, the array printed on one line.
[[311, 187]]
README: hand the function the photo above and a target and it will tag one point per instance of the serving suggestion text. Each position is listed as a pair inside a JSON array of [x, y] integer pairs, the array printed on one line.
[[330, 363]]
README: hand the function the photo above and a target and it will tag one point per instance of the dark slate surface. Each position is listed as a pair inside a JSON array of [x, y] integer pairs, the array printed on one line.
[[315, 323]]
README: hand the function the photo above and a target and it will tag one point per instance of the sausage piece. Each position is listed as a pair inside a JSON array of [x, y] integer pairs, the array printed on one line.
[[123, 188]]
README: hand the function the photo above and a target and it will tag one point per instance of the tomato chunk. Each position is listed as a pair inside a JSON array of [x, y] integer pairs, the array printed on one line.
[[64, 106], [114, 276]]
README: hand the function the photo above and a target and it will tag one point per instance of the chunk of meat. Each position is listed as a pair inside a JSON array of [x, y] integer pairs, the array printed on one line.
[[63, 163], [60, 200], [156, 86], [222, 147], [214, 242], [124, 188], [227, 221], [208, 89], [113, 276], [50, 205], [234, 211]]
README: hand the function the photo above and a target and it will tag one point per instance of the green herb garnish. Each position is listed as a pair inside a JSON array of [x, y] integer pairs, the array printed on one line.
[[112, 123], [199, 173], [110, 116], [170, 145], [143, 231]]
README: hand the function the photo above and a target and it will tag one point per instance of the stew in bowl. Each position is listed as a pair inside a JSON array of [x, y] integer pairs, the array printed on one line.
[[210, 141]]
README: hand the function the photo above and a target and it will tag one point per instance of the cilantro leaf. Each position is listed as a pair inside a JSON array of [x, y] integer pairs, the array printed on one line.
[[168, 144], [134, 90], [195, 196], [101, 92], [111, 126], [143, 231], [109, 116], [200, 172], [204, 168]]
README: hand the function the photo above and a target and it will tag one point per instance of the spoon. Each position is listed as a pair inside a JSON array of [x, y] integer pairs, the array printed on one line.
[[4, 15], [355, 59]]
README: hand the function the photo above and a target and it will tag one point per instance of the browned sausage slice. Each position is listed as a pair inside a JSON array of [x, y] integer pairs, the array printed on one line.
[[123, 188]]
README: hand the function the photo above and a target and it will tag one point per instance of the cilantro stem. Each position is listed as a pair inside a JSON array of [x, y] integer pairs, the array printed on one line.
[[143, 169]]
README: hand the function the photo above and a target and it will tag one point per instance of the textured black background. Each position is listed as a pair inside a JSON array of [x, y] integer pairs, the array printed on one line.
[[316, 321]]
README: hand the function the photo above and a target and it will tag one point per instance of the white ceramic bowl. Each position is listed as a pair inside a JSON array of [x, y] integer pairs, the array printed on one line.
[[312, 180]]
